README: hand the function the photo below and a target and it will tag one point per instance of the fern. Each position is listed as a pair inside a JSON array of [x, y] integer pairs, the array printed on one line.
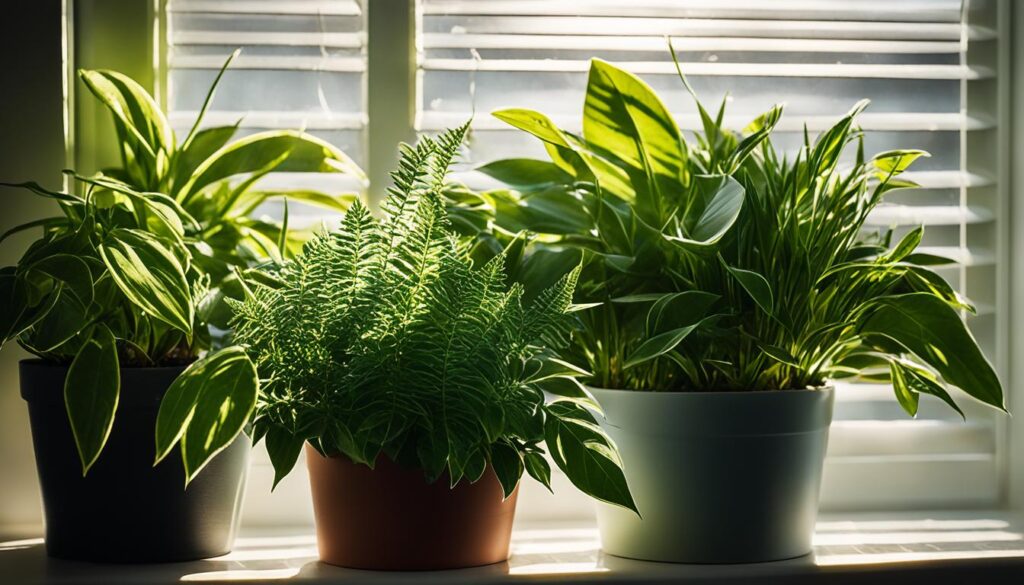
[[383, 339]]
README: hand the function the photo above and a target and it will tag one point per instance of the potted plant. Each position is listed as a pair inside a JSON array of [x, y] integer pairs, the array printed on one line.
[[117, 300], [416, 380], [730, 285]]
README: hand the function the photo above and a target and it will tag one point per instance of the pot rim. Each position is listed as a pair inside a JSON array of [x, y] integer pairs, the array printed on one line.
[[37, 362], [827, 387]]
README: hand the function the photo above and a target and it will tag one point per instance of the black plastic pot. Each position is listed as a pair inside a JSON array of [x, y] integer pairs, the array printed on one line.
[[126, 510]]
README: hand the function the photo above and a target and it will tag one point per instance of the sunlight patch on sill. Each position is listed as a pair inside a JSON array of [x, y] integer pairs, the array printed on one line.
[[910, 525], [912, 557], [242, 575], [20, 544], [557, 569], [875, 538], [268, 554]]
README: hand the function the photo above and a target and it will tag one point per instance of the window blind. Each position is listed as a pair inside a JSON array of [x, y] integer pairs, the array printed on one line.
[[302, 65], [930, 70]]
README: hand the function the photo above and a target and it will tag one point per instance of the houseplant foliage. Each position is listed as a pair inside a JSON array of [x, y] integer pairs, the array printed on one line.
[[201, 174], [717, 263], [134, 270], [383, 339]]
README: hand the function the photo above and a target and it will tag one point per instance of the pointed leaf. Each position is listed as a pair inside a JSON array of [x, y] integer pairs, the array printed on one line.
[[91, 393], [149, 275], [225, 385], [587, 456], [756, 286], [929, 328]]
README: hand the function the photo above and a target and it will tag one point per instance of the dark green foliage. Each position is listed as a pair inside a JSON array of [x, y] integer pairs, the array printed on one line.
[[714, 263], [382, 338]]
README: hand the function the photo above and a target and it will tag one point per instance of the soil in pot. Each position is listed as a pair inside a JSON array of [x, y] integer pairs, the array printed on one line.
[[719, 477], [389, 518], [126, 510]]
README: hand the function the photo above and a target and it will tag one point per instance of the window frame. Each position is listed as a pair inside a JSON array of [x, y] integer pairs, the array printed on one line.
[[392, 95]]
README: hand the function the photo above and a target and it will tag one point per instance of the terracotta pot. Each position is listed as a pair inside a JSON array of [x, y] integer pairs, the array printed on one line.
[[389, 518]]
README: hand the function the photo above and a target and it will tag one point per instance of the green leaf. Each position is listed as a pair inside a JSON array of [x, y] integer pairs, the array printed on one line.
[[526, 173], [551, 210], [538, 369], [756, 286], [907, 245], [252, 153], [779, 354], [250, 200], [223, 374], [716, 204], [71, 272], [569, 388], [567, 154], [149, 275], [905, 395], [44, 192], [659, 345], [91, 393], [587, 456], [538, 468], [202, 145], [508, 466], [929, 328], [894, 162], [674, 310], [624, 118], [135, 112], [222, 389], [283, 449], [45, 223]]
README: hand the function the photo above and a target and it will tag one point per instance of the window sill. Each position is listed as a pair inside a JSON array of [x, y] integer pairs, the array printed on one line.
[[932, 547]]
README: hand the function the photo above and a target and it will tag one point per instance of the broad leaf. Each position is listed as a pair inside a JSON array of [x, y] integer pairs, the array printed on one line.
[[538, 468], [756, 286], [508, 466], [150, 275], [252, 153], [716, 202], [526, 173], [659, 345], [581, 449], [91, 392], [283, 449], [222, 389], [930, 329], [623, 117]]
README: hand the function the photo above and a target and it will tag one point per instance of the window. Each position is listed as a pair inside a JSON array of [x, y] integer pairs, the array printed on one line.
[[930, 70], [930, 67]]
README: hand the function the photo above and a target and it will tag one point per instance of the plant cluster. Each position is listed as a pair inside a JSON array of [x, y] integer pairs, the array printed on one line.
[[133, 271], [715, 263], [383, 339]]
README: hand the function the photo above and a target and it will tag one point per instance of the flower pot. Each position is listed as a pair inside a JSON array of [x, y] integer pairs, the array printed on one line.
[[126, 510], [389, 518], [718, 477]]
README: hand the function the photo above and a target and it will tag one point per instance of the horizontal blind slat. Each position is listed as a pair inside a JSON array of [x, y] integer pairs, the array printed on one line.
[[267, 7], [843, 70], [912, 10], [652, 43]]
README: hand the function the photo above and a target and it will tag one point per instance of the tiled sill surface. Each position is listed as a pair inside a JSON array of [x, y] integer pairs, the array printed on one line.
[[920, 547]]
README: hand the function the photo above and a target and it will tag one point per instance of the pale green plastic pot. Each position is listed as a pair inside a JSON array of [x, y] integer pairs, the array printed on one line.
[[718, 477]]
